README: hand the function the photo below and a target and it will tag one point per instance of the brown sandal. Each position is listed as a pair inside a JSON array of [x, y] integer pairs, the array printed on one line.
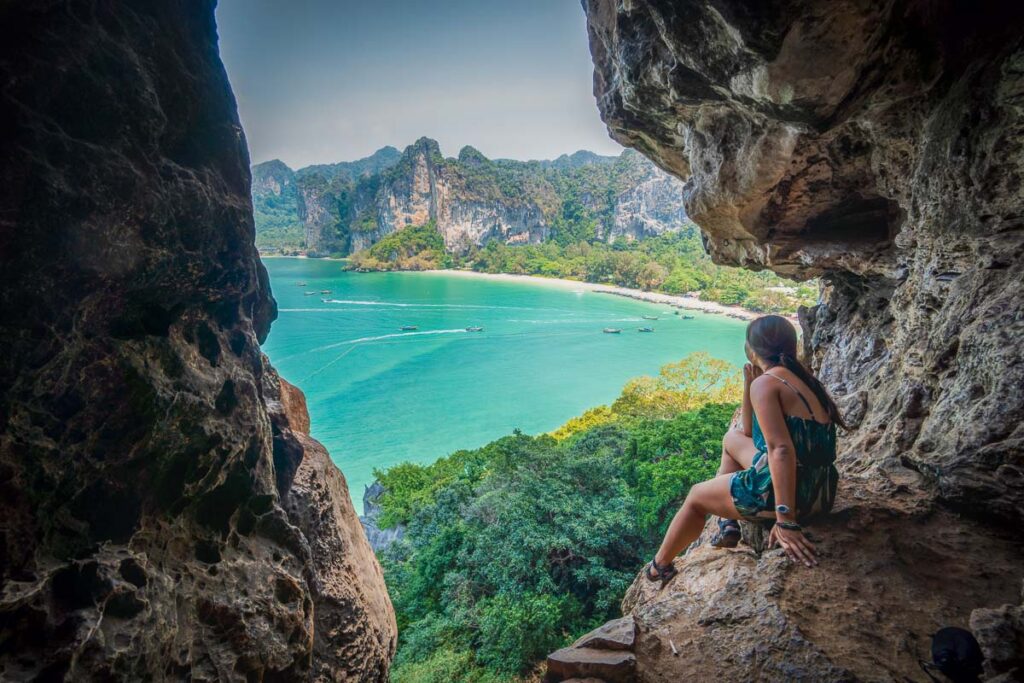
[[663, 574], [728, 535]]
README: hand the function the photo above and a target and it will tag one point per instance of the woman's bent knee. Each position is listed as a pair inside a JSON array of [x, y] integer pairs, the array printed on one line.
[[734, 438], [696, 499], [712, 497]]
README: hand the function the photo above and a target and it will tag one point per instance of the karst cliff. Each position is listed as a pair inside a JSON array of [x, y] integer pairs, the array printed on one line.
[[881, 147], [163, 513], [471, 200]]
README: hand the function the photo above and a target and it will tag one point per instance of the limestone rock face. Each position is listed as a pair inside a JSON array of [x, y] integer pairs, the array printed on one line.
[[411, 196], [316, 216], [890, 575], [471, 200], [425, 187], [650, 208], [1000, 632], [880, 146], [143, 459], [272, 178]]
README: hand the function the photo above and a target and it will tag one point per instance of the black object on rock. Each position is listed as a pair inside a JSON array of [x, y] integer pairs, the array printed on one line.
[[956, 653]]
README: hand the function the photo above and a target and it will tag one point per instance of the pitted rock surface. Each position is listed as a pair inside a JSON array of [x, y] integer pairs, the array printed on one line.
[[888, 578], [354, 629], [1000, 632], [142, 469]]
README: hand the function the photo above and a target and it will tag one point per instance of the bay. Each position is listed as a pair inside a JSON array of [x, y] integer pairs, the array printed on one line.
[[378, 395]]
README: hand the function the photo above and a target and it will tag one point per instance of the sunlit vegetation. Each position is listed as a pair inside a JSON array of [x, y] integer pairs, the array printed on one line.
[[514, 549]]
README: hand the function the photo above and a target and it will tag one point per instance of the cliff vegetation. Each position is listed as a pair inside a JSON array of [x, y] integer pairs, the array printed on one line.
[[613, 220]]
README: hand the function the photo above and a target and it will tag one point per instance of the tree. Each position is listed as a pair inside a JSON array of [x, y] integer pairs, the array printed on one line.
[[680, 281], [694, 381], [768, 301], [581, 423], [733, 294], [651, 275]]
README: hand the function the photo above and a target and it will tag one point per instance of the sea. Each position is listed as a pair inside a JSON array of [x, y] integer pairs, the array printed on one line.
[[379, 395]]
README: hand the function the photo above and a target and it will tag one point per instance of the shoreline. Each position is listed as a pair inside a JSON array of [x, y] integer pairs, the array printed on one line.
[[681, 302], [677, 301], [304, 256]]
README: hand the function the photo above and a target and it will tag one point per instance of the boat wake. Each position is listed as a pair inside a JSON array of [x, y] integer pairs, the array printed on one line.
[[381, 337], [574, 321], [328, 310], [403, 334]]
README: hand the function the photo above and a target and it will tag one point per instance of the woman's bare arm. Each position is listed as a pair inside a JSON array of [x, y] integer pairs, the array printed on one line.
[[782, 465], [764, 398]]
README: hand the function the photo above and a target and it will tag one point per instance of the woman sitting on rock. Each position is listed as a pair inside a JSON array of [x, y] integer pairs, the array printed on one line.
[[778, 463]]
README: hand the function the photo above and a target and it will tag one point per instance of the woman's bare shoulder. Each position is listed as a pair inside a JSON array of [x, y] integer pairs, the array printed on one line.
[[764, 385]]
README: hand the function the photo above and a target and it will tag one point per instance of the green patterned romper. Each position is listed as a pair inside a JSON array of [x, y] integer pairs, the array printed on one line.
[[816, 474]]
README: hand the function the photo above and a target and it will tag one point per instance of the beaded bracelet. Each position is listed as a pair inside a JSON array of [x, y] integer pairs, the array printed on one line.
[[789, 526]]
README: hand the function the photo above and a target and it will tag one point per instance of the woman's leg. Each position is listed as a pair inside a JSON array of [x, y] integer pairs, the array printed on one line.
[[711, 497], [738, 452]]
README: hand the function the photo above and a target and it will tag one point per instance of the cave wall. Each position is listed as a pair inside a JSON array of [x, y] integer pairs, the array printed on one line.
[[880, 146], [146, 456]]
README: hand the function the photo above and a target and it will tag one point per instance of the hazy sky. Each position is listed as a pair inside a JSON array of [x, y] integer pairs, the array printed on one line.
[[320, 81]]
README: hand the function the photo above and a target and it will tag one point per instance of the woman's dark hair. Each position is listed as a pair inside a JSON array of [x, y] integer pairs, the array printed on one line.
[[773, 338]]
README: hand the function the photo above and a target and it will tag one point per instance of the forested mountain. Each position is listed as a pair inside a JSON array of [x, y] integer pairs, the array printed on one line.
[[337, 209]]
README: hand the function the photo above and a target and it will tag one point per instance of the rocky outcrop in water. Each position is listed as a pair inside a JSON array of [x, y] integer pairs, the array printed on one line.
[[379, 539], [153, 494], [880, 146], [471, 200]]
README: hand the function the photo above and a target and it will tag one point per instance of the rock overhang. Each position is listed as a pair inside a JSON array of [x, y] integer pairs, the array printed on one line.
[[798, 126]]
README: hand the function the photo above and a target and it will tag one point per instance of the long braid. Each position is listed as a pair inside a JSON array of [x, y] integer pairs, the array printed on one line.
[[797, 368]]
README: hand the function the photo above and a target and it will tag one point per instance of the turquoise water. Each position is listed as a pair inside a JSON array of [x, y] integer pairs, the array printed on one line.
[[379, 396]]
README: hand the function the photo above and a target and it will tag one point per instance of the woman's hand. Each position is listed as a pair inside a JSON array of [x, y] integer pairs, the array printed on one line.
[[794, 543], [750, 373]]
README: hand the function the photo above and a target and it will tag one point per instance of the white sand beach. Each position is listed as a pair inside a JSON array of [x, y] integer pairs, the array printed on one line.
[[689, 303]]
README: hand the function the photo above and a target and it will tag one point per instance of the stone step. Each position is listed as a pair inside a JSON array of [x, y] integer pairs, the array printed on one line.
[[619, 634], [611, 666]]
